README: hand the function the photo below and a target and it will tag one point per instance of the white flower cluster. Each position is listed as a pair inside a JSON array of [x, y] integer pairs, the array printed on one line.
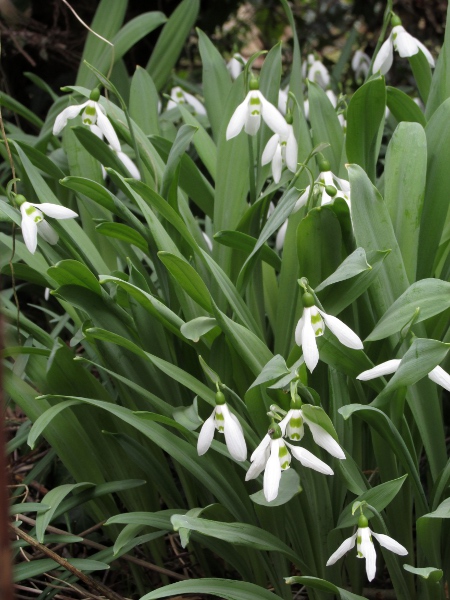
[[282, 146]]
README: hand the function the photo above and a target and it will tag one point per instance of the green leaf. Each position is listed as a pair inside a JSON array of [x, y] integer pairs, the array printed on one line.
[[193, 330], [418, 361], [365, 121], [27, 507], [122, 232], [317, 415], [274, 369], [171, 41], [430, 296], [99, 149], [435, 206], [54, 498], [144, 102], [430, 574], [73, 272], [318, 245], [206, 148], [373, 231], [404, 189], [188, 278], [289, 487], [422, 73], [26, 570], [353, 265], [242, 241], [379, 497], [323, 586], [224, 588], [403, 107], [179, 147], [325, 126], [383, 425], [240, 534], [216, 82]]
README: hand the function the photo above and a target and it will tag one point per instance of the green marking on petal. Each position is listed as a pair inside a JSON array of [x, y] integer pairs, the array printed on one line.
[[37, 219], [90, 110], [319, 331], [295, 436], [296, 422], [255, 101], [219, 416], [285, 465], [221, 429], [282, 451], [316, 318], [30, 210], [87, 121], [255, 112]]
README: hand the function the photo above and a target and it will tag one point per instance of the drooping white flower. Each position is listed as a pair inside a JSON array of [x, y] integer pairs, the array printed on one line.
[[438, 375], [234, 65], [331, 186], [93, 114], [292, 426], [360, 64], [179, 96], [124, 158], [225, 422], [365, 547], [405, 44], [281, 148], [316, 71], [33, 221], [272, 456], [312, 324], [248, 115]]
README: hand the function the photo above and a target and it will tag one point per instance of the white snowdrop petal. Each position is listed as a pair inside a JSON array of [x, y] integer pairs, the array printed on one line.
[[129, 165], [206, 434], [273, 118], [386, 368], [441, 377], [277, 165], [47, 232], [96, 131], [309, 344], [257, 466], [427, 53], [270, 149], [282, 100], [404, 43], [291, 153], [234, 436], [302, 200], [385, 57], [56, 211], [343, 333], [238, 119], [343, 549], [279, 241], [307, 459], [390, 544], [261, 448], [29, 232], [108, 131], [195, 103], [325, 440], [252, 124], [68, 113], [272, 473]]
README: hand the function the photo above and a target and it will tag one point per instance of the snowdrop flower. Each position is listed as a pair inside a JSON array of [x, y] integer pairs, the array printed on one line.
[[360, 64], [332, 187], [317, 72], [93, 115], [234, 65], [179, 96], [248, 115], [365, 547], [272, 456], [312, 324], [438, 375], [126, 160], [225, 422], [292, 426], [33, 221], [405, 44], [281, 148]]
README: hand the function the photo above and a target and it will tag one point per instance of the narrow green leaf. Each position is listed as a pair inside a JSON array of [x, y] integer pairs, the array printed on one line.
[[188, 278], [224, 588], [403, 107]]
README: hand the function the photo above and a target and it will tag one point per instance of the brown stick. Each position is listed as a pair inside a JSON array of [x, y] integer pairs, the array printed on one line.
[[97, 546], [89, 581], [6, 587]]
